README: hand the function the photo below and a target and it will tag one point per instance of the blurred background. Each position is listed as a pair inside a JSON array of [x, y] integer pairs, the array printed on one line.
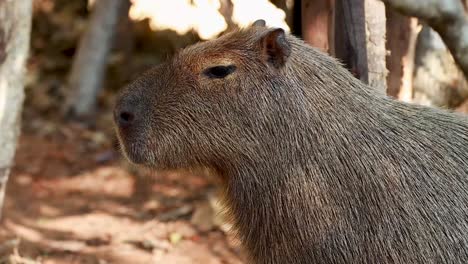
[[72, 198]]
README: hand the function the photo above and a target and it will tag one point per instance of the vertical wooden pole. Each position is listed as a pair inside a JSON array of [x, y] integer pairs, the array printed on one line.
[[317, 17], [398, 38], [360, 39], [375, 43]]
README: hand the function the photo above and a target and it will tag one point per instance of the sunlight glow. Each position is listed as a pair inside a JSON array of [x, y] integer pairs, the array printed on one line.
[[247, 11], [203, 16]]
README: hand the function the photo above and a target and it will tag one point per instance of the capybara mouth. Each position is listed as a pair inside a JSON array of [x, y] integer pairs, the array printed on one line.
[[134, 154], [133, 151]]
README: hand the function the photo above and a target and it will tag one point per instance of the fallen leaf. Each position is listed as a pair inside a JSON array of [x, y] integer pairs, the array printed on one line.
[[175, 238]]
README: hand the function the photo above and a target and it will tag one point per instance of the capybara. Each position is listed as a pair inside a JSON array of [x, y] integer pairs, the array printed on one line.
[[316, 166]]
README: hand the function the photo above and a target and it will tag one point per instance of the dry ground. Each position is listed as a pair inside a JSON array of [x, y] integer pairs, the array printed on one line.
[[71, 198]]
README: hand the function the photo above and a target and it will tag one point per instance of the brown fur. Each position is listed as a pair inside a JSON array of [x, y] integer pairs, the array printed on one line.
[[317, 167]]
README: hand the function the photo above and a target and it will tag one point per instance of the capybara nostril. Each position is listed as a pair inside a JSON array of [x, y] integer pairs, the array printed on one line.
[[125, 118]]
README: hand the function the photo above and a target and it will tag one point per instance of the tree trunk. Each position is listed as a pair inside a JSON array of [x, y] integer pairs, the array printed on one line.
[[317, 17], [90, 61], [406, 91], [447, 17], [441, 45], [398, 38], [437, 79], [375, 43], [15, 27], [350, 37], [360, 39]]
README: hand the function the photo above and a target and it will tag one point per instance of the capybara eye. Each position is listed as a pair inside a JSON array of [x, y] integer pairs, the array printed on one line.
[[218, 72]]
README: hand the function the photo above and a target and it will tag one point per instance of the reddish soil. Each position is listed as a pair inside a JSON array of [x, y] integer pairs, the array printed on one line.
[[72, 198]]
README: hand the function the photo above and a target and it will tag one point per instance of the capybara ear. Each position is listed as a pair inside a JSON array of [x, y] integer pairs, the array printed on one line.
[[275, 47], [259, 23]]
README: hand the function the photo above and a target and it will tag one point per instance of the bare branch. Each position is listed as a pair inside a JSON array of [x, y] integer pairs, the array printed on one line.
[[447, 17]]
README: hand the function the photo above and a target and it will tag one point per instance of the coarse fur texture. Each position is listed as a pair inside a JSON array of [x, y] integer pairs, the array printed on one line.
[[316, 166]]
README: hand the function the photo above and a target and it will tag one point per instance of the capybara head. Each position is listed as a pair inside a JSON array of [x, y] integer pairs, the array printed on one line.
[[214, 102], [205, 104]]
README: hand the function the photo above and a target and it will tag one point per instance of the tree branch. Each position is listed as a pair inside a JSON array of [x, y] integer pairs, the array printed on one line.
[[447, 17]]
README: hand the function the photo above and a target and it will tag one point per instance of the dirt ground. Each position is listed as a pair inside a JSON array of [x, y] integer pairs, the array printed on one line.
[[72, 198]]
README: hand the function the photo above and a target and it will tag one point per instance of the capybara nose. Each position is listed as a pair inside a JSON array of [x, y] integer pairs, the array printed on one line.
[[125, 113]]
